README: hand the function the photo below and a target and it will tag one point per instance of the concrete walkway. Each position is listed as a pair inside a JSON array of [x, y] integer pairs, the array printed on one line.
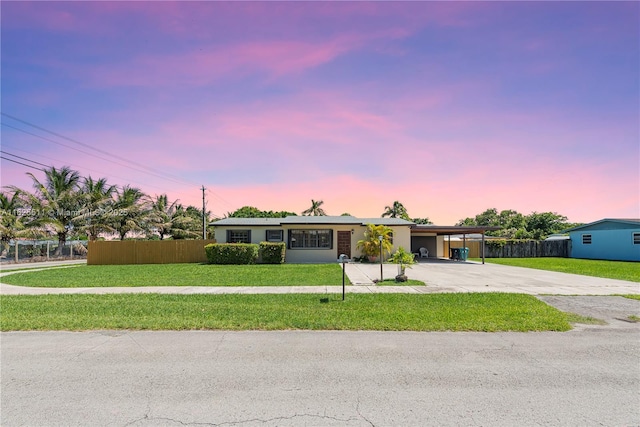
[[441, 276]]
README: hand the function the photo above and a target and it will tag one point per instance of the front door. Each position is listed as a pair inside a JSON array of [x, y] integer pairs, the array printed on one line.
[[344, 243]]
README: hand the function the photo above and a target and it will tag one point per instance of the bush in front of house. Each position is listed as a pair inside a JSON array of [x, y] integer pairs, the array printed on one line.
[[272, 253], [232, 253]]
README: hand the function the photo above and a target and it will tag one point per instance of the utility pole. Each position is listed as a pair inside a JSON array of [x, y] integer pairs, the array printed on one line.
[[204, 216]]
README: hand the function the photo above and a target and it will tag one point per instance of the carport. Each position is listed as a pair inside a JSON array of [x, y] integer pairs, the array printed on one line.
[[432, 237]]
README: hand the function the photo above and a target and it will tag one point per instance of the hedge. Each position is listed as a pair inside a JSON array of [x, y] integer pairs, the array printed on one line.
[[232, 253], [272, 253]]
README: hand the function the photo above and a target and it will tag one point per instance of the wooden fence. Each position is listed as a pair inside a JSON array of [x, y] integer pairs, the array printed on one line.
[[473, 245], [146, 252], [526, 249]]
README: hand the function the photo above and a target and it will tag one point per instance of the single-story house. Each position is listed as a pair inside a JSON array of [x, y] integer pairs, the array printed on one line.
[[610, 239], [310, 238], [325, 238]]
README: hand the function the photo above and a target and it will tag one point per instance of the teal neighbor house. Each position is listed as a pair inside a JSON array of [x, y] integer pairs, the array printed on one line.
[[610, 239]]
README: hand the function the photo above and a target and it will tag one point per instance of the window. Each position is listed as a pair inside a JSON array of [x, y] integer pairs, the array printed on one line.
[[311, 239], [274, 235], [238, 236], [586, 239], [636, 238]]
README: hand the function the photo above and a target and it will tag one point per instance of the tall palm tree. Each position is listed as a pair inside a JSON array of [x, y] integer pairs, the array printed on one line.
[[97, 204], [56, 202], [131, 211], [397, 210], [186, 223], [11, 225], [315, 209], [164, 213]]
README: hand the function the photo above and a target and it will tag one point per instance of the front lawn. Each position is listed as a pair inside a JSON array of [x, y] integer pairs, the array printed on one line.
[[622, 270], [382, 312], [180, 275]]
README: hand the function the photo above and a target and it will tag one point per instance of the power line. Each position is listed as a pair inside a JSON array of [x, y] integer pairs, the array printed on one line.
[[20, 163], [23, 158], [49, 166], [159, 174], [92, 155], [78, 167], [146, 170]]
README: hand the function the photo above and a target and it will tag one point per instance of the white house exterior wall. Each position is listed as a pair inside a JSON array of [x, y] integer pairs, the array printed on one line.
[[401, 238]]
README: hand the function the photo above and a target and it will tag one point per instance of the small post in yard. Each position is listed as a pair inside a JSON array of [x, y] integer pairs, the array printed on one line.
[[204, 216], [16, 250], [343, 280], [380, 239], [343, 260]]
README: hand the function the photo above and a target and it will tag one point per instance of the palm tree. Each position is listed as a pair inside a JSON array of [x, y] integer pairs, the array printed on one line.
[[56, 203], [315, 209], [186, 223], [98, 201], [11, 224], [163, 213], [131, 211], [370, 245], [173, 219], [396, 211]]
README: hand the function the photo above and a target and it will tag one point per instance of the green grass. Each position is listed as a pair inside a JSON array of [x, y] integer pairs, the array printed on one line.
[[622, 270], [632, 296], [181, 275], [587, 320], [388, 312]]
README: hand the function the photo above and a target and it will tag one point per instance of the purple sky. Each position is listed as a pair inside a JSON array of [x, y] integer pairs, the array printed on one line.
[[450, 108]]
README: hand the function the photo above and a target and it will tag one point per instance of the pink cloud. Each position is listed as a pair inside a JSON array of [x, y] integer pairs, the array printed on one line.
[[275, 58]]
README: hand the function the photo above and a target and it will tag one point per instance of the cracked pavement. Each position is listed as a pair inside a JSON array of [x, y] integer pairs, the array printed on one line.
[[588, 376]]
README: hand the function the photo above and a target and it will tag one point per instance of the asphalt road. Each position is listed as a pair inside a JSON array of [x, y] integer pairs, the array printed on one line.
[[588, 376]]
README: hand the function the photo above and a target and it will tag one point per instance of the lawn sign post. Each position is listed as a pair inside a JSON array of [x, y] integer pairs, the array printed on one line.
[[380, 239], [343, 260]]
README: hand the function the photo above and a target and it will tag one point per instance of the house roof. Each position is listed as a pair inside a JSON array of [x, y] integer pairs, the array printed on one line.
[[608, 223], [310, 220], [248, 221], [451, 229]]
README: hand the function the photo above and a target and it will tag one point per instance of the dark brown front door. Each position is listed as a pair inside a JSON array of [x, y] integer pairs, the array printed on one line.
[[344, 243]]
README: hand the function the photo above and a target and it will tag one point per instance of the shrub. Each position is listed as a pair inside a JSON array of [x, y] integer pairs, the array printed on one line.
[[402, 257], [231, 253], [272, 253]]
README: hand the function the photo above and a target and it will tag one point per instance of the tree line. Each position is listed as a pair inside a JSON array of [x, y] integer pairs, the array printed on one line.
[[514, 225], [67, 205]]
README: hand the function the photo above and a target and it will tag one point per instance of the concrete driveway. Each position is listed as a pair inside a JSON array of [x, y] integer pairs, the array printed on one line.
[[452, 276]]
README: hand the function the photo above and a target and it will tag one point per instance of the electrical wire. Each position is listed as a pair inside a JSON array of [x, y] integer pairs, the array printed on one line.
[[152, 171], [23, 158], [20, 163], [139, 168]]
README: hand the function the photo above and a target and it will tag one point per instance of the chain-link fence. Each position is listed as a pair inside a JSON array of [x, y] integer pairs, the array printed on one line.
[[42, 250]]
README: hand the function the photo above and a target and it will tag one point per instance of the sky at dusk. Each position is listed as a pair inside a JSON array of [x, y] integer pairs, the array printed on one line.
[[448, 107]]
